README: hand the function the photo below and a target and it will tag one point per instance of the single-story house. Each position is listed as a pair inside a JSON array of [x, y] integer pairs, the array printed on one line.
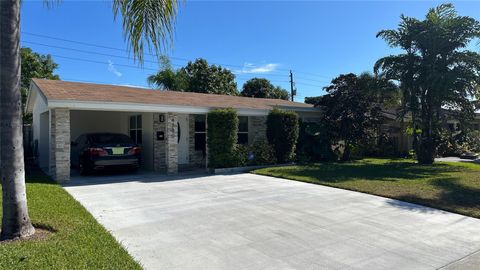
[[170, 126]]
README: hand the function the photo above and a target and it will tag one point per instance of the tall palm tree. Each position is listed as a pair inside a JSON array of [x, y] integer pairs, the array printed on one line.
[[146, 23], [435, 70]]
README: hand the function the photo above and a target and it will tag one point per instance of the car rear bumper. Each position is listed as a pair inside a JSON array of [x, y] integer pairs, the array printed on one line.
[[127, 162]]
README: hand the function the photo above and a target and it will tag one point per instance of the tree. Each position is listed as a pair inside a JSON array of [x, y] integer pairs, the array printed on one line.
[[210, 79], [198, 76], [168, 78], [145, 23], [34, 65], [352, 108], [435, 71], [263, 88]]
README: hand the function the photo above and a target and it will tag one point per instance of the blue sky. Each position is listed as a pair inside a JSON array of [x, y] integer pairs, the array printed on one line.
[[317, 40]]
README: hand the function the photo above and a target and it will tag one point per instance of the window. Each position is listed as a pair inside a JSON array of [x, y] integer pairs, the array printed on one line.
[[476, 126], [200, 133], [242, 130], [136, 128]]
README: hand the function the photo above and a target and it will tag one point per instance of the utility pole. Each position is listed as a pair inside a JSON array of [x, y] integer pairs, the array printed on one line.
[[293, 91]]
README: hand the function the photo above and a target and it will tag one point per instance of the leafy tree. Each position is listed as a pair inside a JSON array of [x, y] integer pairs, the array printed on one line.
[[352, 108], [435, 70], [168, 78], [198, 76], [210, 79], [145, 23], [312, 100], [263, 88], [34, 65]]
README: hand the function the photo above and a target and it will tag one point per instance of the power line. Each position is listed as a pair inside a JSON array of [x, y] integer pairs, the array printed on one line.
[[150, 54]]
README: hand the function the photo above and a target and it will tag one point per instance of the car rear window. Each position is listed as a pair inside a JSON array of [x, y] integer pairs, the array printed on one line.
[[110, 138]]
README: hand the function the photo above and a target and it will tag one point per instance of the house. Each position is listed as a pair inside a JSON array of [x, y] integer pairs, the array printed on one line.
[[170, 126]]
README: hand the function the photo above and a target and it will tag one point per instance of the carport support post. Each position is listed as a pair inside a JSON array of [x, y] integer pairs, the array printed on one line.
[[172, 143], [60, 144]]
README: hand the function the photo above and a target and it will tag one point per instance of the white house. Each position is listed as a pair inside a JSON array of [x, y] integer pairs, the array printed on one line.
[[62, 111]]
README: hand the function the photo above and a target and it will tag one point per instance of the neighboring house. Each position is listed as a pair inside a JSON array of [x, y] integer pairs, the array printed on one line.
[[402, 142], [62, 111]]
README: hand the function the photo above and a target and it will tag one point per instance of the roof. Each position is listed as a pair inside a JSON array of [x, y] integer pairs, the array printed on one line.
[[55, 90]]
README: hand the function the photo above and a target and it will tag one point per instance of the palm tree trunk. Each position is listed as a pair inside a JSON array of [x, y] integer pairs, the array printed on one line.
[[15, 220]]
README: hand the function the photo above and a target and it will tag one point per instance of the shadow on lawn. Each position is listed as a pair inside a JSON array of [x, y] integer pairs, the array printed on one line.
[[390, 171]]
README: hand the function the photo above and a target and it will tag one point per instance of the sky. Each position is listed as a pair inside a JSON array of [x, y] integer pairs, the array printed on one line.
[[317, 40]]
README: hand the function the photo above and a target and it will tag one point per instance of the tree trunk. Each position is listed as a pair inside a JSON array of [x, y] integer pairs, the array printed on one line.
[[15, 220], [346, 152]]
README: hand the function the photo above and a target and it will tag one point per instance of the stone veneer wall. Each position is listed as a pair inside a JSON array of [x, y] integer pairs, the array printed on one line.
[[60, 144], [159, 150], [196, 157], [171, 142], [257, 129]]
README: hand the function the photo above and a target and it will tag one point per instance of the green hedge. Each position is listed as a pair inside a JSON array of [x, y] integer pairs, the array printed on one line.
[[282, 133], [222, 128]]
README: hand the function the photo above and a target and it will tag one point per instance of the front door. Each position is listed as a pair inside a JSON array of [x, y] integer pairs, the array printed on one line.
[[183, 138]]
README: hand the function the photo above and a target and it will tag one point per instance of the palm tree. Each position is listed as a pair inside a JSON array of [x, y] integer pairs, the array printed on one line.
[[435, 70], [147, 23]]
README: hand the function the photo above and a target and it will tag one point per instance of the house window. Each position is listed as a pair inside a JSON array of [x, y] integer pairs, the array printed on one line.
[[476, 126], [136, 128], [200, 133], [242, 130]]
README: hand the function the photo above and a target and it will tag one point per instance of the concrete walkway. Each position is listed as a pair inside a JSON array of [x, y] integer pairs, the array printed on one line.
[[248, 221]]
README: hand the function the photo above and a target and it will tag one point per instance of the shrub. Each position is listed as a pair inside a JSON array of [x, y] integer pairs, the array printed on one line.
[[282, 133], [315, 143], [260, 153], [222, 138]]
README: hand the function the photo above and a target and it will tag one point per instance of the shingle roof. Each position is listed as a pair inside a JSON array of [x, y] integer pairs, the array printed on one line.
[[75, 91]]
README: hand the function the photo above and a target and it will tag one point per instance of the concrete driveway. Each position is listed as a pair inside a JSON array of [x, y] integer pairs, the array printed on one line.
[[247, 221]]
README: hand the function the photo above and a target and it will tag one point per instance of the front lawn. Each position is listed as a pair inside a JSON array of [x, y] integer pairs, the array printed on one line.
[[450, 186], [78, 241]]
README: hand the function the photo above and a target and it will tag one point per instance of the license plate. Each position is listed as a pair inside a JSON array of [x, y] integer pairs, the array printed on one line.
[[117, 150]]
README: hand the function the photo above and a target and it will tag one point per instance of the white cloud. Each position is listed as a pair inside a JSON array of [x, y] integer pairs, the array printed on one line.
[[112, 69], [249, 68]]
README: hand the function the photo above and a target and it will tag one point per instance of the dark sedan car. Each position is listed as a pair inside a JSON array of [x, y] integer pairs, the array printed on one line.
[[96, 151]]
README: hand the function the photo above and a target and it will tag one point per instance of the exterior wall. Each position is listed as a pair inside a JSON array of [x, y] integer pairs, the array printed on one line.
[[257, 129], [171, 143], [60, 144], [159, 151], [196, 157], [40, 128]]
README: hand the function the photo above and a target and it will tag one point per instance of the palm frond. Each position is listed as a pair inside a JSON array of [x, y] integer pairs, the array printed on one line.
[[146, 23]]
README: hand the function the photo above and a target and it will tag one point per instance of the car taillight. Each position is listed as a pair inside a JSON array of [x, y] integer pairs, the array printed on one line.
[[100, 152], [134, 151]]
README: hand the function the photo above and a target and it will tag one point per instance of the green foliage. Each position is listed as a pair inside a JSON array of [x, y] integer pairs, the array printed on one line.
[[222, 138], [282, 133], [315, 143], [34, 65], [198, 76], [263, 88], [312, 100], [352, 109], [146, 24], [168, 78], [435, 71], [261, 153]]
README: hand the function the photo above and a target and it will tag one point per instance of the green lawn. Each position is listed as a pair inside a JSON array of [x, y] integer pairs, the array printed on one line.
[[78, 243], [450, 186]]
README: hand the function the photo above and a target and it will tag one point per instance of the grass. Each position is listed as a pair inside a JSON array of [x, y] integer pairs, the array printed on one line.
[[451, 186], [78, 240]]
